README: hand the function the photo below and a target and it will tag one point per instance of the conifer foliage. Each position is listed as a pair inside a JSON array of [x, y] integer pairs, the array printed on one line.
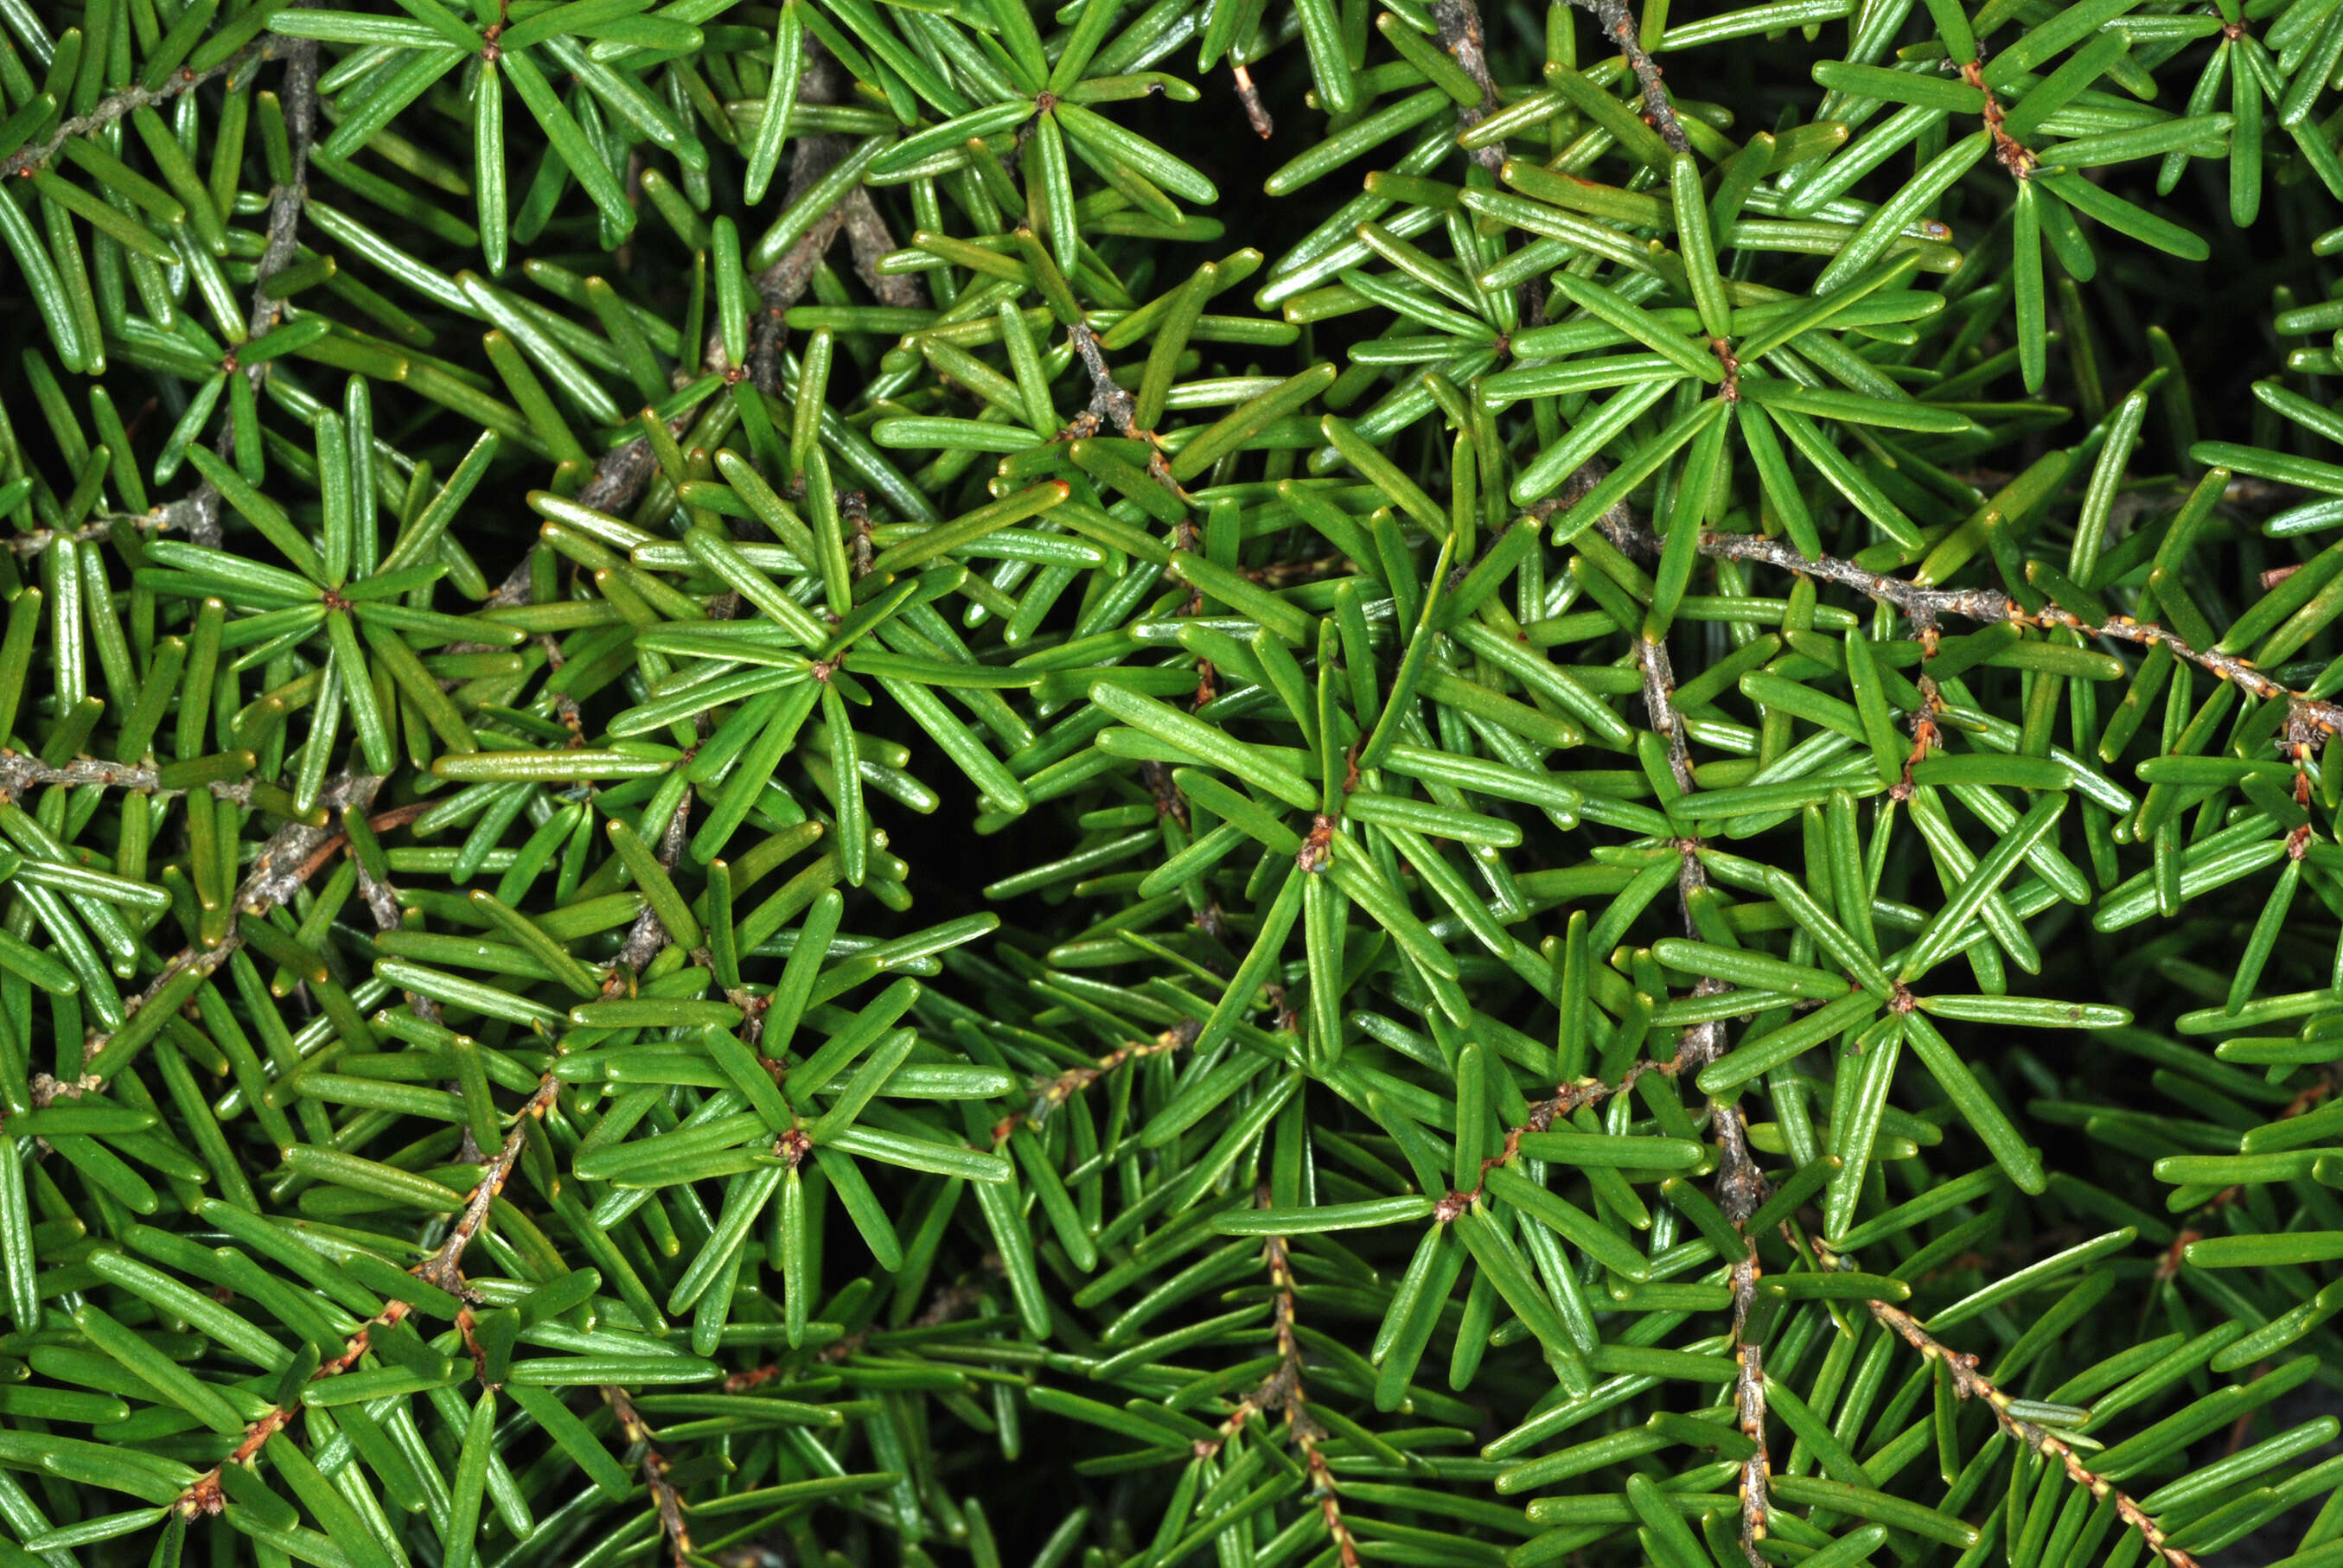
[[828, 784]]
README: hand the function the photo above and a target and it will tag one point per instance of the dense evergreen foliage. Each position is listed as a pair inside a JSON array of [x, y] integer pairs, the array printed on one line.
[[775, 792]]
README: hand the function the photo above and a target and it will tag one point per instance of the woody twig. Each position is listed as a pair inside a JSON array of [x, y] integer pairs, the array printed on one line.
[[443, 1269], [1970, 1384], [1284, 1392], [1059, 1090]]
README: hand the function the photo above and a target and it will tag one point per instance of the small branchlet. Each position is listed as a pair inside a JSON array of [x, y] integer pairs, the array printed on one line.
[[1059, 1090], [1459, 22], [656, 1466], [1285, 1392], [1620, 25], [1926, 608], [118, 106], [1970, 1384]]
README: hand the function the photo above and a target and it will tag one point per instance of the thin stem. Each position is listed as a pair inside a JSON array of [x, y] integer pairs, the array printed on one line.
[[2310, 718], [442, 1268], [1619, 23], [2007, 150], [1256, 112], [648, 934], [99, 527], [382, 903], [1057, 1091], [204, 1494], [195, 515], [1738, 1192], [120, 106], [1284, 1390], [619, 478], [1109, 403], [616, 484], [293, 854], [1739, 1187], [1970, 1384], [869, 238], [21, 771], [778, 287], [199, 513], [297, 851], [298, 95], [1565, 1099], [867, 233], [1459, 22], [655, 1466]]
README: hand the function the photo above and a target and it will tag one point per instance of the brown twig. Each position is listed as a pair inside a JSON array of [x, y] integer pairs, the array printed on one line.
[[444, 1266], [296, 853], [617, 483], [1565, 1099], [1740, 1188], [380, 897], [204, 1494], [648, 934], [1169, 802], [1062, 1088], [855, 215], [1970, 1384], [1109, 402], [443, 1269], [618, 480], [1284, 1390], [195, 514], [868, 239], [200, 512], [1459, 22], [861, 550], [1701, 1044], [1618, 524], [1111, 405], [293, 854], [1619, 23], [382, 903], [100, 528], [118, 106], [2311, 718], [778, 287], [298, 92], [20, 771], [664, 1497], [2007, 150], [779, 284], [1256, 112]]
